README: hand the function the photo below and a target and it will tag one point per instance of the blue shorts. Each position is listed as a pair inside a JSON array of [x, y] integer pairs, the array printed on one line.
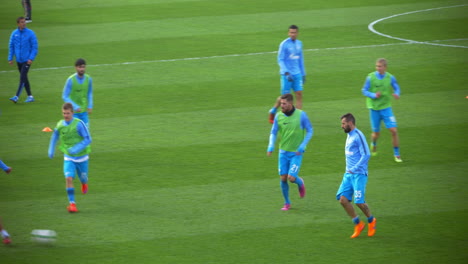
[[83, 116], [289, 163], [286, 85], [376, 116], [353, 184], [71, 168]]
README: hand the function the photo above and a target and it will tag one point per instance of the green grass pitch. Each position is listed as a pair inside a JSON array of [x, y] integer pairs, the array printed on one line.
[[179, 172]]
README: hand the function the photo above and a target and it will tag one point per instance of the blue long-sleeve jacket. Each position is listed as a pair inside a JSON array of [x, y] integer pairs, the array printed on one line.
[[23, 45], [290, 57]]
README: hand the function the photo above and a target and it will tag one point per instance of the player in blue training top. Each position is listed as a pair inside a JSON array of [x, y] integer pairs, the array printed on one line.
[[355, 178], [292, 71], [379, 88], [78, 91], [74, 143], [295, 132]]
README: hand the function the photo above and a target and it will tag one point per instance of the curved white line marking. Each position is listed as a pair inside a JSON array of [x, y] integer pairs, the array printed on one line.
[[371, 28]]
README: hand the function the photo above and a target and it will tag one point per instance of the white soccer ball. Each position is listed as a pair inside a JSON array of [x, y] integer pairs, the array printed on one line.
[[44, 236]]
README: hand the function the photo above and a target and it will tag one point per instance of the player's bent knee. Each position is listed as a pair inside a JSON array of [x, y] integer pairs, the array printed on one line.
[[344, 200], [291, 178]]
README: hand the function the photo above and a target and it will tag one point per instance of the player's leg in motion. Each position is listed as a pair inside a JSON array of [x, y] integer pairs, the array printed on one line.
[[284, 162], [359, 185], [69, 171], [293, 174], [27, 10], [4, 167], [5, 235], [372, 221], [300, 184], [375, 120], [396, 144], [82, 170], [298, 99], [358, 224], [24, 81], [285, 191]]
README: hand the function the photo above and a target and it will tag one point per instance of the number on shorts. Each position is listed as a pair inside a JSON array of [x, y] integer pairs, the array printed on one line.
[[294, 168], [357, 194]]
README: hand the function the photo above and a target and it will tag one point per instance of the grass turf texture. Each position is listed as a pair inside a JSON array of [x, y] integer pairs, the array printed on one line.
[[178, 172]]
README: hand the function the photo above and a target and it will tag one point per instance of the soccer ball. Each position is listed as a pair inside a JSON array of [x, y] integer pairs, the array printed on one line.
[[44, 236]]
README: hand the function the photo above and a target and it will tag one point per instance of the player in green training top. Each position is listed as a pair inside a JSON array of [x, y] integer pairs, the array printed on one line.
[[295, 131], [74, 143], [379, 88], [78, 91]]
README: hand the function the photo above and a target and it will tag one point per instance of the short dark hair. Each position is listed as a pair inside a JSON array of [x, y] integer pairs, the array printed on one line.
[[349, 118], [288, 97], [67, 106], [79, 62], [294, 27], [19, 18]]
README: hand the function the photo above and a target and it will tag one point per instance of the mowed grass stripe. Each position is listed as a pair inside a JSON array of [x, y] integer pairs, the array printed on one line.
[[237, 206], [211, 248], [144, 10], [254, 66], [230, 125], [110, 32]]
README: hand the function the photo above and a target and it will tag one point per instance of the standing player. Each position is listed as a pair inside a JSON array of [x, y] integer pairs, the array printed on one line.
[[291, 62], [291, 124], [379, 88], [78, 91], [355, 178], [74, 143], [23, 46]]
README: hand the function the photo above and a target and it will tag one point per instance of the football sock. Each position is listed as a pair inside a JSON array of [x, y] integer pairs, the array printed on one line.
[[5, 233], [396, 151], [285, 191], [71, 195], [273, 110], [299, 181], [3, 166], [370, 219], [356, 220], [374, 143]]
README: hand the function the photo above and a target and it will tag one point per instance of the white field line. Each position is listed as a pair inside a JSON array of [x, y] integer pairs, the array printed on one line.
[[371, 28], [232, 55]]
